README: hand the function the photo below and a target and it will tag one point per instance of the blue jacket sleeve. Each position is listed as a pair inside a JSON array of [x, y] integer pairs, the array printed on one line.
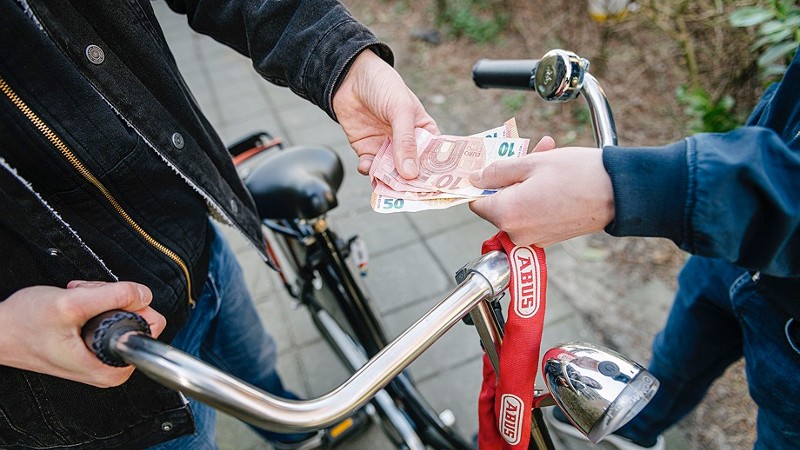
[[304, 44], [734, 196]]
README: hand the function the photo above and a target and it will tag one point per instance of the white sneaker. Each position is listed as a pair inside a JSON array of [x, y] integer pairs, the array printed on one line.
[[617, 441]]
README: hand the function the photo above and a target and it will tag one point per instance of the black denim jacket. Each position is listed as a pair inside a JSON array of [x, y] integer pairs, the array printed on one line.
[[99, 75]]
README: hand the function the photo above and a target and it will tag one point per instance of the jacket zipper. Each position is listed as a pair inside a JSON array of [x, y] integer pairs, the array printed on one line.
[[67, 153]]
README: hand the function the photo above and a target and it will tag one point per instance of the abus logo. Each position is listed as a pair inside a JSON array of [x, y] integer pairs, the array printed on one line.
[[511, 418], [527, 284]]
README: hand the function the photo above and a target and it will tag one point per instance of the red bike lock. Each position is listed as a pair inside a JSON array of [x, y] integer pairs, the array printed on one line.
[[505, 404]]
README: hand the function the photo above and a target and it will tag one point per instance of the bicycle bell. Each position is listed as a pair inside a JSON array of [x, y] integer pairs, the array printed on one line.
[[559, 75], [598, 389]]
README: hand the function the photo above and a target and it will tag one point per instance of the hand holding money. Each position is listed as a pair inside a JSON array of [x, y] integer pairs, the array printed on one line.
[[445, 163]]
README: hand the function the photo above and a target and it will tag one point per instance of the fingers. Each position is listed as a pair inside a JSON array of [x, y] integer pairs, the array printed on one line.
[[95, 297], [485, 208], [156, 321], [507, 172], [502, 173], [546, 143], [99, 296]]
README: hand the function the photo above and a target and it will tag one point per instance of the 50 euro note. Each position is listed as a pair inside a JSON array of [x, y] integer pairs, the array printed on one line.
[[387, 204]]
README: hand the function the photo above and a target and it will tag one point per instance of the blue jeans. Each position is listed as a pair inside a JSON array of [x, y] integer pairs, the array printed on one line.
[[224, 330], [717, 317]]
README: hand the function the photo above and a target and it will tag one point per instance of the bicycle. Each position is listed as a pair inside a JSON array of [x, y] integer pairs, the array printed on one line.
[[293, 189]]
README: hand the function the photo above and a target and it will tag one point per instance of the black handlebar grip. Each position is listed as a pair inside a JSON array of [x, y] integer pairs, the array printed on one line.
[[504, 73], [99, 331]]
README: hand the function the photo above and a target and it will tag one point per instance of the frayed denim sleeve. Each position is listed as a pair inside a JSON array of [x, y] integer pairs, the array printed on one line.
[[306, 45]]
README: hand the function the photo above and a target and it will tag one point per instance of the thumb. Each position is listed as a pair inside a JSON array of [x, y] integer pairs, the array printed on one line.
[[365, 164], [404, 146], [95, 297], [501, 173]]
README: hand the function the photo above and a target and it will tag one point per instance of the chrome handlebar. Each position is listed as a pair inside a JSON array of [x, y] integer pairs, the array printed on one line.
[[178, 370], [559, 76]]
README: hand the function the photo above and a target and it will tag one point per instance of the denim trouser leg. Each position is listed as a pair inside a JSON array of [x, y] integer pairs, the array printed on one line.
[[717, 317], [225, 331]]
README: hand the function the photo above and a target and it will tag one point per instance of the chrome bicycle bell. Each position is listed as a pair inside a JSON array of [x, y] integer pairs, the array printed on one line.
[[598, 389], [559, 75]]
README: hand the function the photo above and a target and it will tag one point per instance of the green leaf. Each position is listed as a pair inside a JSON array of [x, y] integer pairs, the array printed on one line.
[[749, 16], [771, 27], [779, 36], [775, 70], [775, 53], [788, 4]]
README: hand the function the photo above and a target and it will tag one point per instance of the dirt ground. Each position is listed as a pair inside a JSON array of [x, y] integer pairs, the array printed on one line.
[[639, 67]]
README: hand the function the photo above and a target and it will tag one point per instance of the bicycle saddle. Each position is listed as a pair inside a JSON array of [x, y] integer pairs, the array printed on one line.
[[297, 182]]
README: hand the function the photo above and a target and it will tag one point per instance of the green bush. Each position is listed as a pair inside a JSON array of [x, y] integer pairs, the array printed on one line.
[[707, 115], [479, 20], [778, 34]]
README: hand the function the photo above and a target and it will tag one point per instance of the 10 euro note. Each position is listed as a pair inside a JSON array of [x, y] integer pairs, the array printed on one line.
[[445, 162], [413, 198]]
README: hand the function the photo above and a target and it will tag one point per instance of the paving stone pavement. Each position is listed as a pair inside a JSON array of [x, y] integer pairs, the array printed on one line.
[[412, 256]]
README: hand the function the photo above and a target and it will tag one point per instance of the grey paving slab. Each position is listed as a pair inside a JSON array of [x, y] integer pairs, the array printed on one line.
[[405, 275], [381, 233]]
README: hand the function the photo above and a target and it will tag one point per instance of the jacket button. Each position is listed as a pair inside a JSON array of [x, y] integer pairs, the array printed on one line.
[[53, 251], [234, 206], [177, 140], [95, 54], [166, 426]]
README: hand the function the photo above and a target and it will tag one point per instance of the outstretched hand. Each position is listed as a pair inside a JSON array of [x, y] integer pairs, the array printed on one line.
[[374, 103], [41, 328], [550, 195]]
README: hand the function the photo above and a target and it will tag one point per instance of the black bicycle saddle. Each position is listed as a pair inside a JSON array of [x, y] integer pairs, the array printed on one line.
[[296, 182]]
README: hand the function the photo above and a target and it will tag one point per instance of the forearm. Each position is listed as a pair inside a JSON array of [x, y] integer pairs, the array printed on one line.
[[304, 44], [734, 196]]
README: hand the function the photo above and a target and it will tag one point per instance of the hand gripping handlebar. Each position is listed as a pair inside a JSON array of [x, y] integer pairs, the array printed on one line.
[[121, 341]]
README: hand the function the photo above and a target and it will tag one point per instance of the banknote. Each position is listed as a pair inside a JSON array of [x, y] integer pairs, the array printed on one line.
[[386, 204], [379, 187], [445, 164]]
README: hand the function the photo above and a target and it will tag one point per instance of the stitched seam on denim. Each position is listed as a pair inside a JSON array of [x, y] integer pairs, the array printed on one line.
[[740, 280], [145, 21], [55, 214], [42, 410], [307, 67], [789, 338], [18, 430], [691, 195]]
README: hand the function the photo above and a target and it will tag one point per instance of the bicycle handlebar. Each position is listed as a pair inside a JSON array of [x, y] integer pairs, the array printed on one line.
[[487, 276], [504, 73], [560, 76]]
